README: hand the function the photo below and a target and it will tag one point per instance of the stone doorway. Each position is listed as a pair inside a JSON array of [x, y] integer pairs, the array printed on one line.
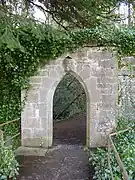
[[96, 70], [69, 112]]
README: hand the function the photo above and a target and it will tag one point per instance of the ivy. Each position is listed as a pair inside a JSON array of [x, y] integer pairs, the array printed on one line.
[[125, 145], [24, 47], [9, 166]]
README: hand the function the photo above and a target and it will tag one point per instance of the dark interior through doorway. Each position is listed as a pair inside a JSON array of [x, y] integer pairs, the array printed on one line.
[[69, 112]]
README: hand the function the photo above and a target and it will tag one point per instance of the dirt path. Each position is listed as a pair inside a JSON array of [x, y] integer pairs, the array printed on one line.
[[66, 160], [71, 131]]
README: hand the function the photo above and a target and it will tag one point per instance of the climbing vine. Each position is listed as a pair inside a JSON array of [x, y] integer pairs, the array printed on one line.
[[26, 47], [125, 144]]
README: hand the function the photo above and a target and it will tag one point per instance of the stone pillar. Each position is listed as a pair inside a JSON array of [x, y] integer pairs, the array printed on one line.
[[37, 116]]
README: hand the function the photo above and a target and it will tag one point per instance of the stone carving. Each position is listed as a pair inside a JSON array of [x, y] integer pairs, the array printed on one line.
[[69, 64]]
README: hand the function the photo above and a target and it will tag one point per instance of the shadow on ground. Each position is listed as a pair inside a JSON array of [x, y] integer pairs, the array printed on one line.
[[71, 131]]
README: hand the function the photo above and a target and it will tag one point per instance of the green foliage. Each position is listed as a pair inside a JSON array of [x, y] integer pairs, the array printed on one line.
[[8, 165], [125, 145], [82, 13], [11, 130], [66, 92], [26, 46], [68, 14]]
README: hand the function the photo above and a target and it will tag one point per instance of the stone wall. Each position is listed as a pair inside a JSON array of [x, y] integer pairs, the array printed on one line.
[[96, 70], [126, 107]]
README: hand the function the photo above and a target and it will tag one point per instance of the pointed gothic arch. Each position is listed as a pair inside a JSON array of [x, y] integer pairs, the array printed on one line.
[[96, 72], [72, 128]]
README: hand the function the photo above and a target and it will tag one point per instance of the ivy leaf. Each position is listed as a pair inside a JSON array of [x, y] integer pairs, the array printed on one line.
[[10, 40]]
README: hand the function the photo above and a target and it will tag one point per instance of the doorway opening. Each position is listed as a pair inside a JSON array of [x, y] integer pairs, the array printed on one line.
[[69, 112]]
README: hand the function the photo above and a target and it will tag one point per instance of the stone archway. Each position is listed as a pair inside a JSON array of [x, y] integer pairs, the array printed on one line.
[[96, 71], [69, 111]]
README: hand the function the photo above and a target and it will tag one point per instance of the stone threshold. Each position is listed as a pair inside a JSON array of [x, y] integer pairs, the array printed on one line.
[[30, 151], [34, 151]]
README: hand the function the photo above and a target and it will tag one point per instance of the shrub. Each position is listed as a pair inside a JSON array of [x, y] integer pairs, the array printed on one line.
[[125, 145], [8, 164]]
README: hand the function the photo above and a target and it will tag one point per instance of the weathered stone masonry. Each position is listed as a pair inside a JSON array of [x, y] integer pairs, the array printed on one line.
[[96, 70], [126, 82]]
